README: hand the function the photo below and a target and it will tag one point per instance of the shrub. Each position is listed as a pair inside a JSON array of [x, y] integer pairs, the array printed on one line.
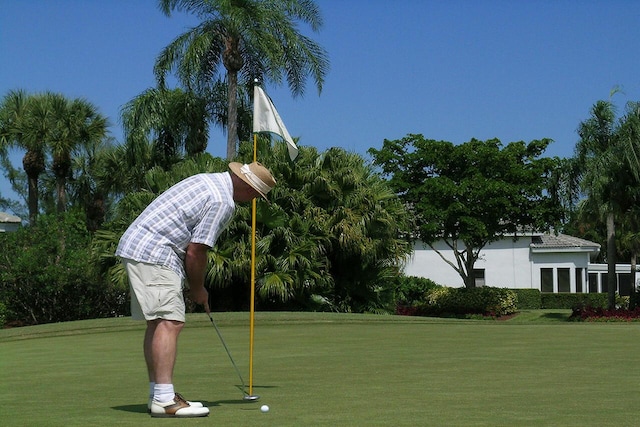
[[600, 314], [46, 274], [528, 299], [484, 301], [570, 301], [410, 290]]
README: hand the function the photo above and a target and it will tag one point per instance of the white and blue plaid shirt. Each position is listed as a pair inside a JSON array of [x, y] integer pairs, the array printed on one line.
[[195, 210]]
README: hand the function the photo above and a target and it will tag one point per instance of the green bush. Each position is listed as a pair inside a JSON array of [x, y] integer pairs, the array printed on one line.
[[486, 301], [571, 301], [528, 299], [46, 274], [410, 290]]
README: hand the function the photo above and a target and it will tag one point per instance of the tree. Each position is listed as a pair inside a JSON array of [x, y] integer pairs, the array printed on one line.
[[251, 39], [604, 176], [76, 123], [175, 120], [471, 194], [25, 120]]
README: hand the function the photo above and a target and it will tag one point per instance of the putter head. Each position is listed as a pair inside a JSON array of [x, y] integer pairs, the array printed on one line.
[[251, 397]]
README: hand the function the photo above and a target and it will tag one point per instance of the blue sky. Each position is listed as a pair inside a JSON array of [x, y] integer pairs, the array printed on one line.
[[447, 69]]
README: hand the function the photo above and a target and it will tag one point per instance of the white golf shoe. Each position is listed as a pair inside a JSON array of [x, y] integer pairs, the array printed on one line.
[[177, 408]]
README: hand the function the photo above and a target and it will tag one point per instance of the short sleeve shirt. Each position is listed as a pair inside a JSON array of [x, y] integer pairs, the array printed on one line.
[[195, 210]]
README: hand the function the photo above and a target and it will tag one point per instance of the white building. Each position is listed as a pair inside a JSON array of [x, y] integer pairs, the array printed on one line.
[[548, 262]]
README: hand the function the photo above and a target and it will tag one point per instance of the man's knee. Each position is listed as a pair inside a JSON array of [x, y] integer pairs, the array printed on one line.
[[165, 325]]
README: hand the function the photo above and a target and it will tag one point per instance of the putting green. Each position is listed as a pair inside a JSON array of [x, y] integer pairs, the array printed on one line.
[[317, 369]]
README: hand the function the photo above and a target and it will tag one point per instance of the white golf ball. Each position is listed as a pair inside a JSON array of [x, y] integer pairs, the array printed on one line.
[[264, 408]]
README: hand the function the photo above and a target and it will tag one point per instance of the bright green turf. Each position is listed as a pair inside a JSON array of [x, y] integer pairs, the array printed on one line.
[[333, 370]]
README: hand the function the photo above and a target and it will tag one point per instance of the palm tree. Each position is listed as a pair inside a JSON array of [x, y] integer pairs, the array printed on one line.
[[253, 39], [77, 123], [174, 119], [26, 121], [601, 156]]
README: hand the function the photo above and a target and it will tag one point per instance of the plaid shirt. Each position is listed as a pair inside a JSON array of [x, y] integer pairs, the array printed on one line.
[[195, 210]]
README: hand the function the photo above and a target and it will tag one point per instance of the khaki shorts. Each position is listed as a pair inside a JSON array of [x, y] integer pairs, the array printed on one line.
[[156, 292]]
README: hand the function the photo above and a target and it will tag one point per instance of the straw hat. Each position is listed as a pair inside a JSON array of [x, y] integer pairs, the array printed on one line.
[[256, 175]]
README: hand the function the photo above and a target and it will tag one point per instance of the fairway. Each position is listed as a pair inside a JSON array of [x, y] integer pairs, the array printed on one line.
[[319, 369]]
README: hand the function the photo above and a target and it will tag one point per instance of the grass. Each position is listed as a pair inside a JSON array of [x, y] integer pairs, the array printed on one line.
[[319, 369]]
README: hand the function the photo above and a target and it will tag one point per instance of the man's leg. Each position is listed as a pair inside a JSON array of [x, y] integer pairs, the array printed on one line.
[[160, 349], [148, 355]]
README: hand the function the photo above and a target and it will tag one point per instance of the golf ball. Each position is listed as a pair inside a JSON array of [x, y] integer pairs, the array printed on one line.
[[264, 408]]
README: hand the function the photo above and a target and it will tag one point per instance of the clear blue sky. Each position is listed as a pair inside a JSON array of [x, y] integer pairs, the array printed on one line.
[[447, 69]]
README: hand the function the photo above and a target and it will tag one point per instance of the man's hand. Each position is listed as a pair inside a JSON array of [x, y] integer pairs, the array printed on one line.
[[200, 296]]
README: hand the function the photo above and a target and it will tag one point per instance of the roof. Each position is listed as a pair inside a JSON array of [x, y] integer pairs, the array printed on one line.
[[5, 217], [562, 241]]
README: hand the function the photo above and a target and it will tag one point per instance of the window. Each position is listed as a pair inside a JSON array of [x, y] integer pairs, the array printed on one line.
[[546, 279], [579, 272], [624, 284], [564, 280], [478, 276]]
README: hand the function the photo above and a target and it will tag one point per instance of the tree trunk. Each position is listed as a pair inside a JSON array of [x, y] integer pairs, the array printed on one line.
[[33, 165], [232, 115], [471, 279], [33, 199], [611, 260]]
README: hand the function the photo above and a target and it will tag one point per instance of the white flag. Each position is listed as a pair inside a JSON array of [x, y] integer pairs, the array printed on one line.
[[267, 119]]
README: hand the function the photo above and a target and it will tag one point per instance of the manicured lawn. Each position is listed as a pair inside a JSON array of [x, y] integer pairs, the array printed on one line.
[[333, 370]]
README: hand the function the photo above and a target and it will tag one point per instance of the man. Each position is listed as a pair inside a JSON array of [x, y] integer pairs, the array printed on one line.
[[164, 250]]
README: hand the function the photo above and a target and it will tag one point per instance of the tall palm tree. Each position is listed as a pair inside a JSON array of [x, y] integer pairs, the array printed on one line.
[[26, 121], [253, 39], [601, 156], [77, 123]]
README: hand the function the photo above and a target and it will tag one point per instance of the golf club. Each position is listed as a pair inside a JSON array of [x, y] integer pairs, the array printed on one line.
[[246, 396]]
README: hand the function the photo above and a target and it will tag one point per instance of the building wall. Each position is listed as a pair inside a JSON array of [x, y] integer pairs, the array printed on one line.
[[507, 263]]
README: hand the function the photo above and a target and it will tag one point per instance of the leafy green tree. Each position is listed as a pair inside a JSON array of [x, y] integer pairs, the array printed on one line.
[[25, 120], [250, 39], [175, 120], [471, 194], [92, 188]]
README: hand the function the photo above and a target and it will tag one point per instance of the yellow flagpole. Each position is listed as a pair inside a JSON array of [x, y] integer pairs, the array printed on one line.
[[253, 276]]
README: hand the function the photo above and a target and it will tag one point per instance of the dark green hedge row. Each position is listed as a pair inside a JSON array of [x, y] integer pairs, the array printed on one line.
[[419, 296]]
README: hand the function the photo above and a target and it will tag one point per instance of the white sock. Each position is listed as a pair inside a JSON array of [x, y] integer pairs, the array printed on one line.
[[163, 393], [152, 385]]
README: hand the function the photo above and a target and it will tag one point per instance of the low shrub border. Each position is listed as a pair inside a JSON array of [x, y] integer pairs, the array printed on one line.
[[599, 314]]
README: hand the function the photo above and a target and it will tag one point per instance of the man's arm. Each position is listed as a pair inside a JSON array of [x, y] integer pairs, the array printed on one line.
[[195, 265]]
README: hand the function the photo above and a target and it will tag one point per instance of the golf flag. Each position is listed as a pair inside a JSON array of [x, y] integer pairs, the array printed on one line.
[[267, 119]]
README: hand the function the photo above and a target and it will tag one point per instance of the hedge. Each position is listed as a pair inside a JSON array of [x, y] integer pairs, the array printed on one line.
[[485, 301], [570, 301]]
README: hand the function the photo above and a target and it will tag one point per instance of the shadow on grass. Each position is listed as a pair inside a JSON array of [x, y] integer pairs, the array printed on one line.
[[142, 408], [139, 409], [555, 316]]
